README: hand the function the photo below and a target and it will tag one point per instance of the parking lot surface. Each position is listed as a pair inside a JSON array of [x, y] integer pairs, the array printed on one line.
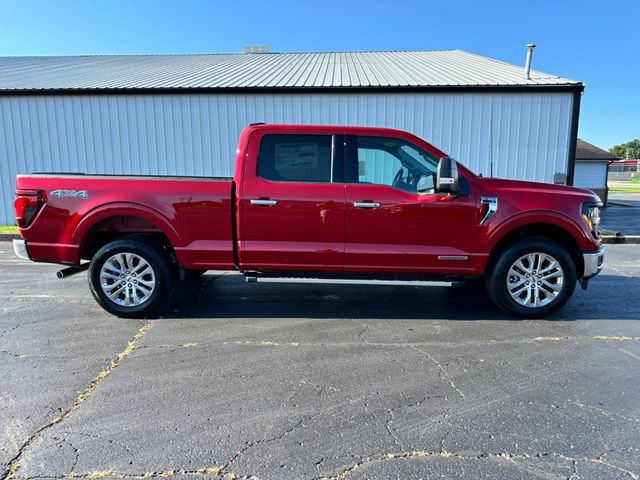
[[622, 215], [276, 381]]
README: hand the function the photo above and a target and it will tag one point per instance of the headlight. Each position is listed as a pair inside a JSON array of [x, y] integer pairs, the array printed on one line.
[[591, 216]]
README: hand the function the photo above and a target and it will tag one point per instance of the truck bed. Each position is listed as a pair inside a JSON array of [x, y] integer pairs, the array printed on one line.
[[194, 213]]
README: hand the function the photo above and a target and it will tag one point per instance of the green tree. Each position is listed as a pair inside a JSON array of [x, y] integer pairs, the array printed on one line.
[[629, 150]]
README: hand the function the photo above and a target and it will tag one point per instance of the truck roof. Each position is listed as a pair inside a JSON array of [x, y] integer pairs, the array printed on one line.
[[340, 129], [328, 128]]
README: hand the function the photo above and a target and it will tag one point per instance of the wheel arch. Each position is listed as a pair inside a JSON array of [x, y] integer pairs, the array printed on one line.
[[114, 221], [551, 231]]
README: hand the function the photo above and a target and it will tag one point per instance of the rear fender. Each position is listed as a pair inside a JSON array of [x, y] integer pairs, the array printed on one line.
[[129, 210]]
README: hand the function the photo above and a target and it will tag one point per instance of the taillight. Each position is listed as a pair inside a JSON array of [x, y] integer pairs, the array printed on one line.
[[26, 205]]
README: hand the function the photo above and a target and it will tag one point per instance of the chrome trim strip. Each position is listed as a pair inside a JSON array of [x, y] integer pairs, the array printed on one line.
[[453, 257], [492, 203], [20, 249], [593, 262]]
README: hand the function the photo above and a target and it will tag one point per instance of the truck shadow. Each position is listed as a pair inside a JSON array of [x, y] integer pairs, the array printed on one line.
[[227, 296]]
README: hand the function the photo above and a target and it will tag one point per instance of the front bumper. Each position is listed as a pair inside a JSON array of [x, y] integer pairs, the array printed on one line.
[[593, 262], [20, 249]]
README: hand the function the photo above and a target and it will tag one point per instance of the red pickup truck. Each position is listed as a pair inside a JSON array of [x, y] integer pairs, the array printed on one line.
[[316, 203]]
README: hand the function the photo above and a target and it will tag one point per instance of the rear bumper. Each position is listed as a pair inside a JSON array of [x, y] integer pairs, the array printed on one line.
[[20, 249], [593, 262]]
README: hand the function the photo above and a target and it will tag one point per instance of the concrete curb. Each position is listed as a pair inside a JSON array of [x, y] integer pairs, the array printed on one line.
[[7, 237], [621, 239], [619, 204]]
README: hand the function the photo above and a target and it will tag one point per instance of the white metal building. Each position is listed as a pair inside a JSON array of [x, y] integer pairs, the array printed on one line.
[[591, 168], [181, 114]]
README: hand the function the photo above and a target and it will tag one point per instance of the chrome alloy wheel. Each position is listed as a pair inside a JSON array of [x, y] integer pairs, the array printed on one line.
[[535, 280], [127, 279]]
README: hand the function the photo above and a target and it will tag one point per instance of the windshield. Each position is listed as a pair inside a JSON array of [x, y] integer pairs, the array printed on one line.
[[418, 159]]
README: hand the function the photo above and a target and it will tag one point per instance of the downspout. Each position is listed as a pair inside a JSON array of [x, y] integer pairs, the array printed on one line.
[[606, 185], [573, 133]]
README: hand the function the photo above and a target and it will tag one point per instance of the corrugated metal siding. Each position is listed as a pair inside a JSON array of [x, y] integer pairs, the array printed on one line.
[[277, 70], [590, 174], [522, 135]]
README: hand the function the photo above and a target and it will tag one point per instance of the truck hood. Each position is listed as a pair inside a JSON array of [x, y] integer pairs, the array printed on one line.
[[516, 188]]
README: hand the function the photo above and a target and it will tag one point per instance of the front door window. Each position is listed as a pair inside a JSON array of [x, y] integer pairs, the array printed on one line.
[[395, 163]]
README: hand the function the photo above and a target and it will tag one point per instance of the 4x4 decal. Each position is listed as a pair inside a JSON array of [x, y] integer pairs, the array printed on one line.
[[69, 193]]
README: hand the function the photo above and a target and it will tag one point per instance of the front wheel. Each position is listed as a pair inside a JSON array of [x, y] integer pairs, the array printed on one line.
[[532, 278], [129, 278]]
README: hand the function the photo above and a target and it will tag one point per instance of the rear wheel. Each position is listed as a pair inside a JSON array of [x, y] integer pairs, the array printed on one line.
[[532, 278], [130, 278]]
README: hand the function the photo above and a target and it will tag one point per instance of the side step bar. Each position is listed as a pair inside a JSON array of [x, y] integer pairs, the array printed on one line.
[[355, 281]]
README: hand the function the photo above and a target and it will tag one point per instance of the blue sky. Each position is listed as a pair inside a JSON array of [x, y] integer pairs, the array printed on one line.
[[597, 42]]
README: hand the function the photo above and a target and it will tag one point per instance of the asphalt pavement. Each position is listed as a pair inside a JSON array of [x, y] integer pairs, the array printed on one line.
[[316, 381], [622, 214]]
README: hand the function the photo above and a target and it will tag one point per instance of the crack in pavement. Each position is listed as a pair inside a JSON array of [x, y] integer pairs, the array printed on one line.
[[14, 465], [627, 352], [321, 387], [412, 345], [600, 461], [13, 354], [602, 411], [9, 330], [387, 425], [264, 343], [110, 473], [605, 338], [252, 444], [75, 451], [510, 457], [444, 437], [306, 418], [391, 413], [441, 373], [101, 438]]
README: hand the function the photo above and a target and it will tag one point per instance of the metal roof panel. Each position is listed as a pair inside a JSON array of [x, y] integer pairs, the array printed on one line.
[[316, 70]]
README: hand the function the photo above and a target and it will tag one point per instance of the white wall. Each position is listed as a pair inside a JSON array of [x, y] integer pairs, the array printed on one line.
[[590, 174], [523, 135]]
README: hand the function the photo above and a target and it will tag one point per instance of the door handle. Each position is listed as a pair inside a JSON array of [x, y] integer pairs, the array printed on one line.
[[366, 204], [263, 202]]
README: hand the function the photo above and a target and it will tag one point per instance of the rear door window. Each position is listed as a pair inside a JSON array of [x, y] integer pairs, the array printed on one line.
[[295, 158]]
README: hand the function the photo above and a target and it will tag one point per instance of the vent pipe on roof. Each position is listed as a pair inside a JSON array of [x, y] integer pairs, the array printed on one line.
[[256, 49], [527, 65]]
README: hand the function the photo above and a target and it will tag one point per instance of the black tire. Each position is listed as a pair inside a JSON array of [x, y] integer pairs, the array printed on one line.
[[193, 274], [141, 251], [497, 277]]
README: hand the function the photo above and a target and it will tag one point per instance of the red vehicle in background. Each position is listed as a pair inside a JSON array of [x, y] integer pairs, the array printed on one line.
[[316, 203]]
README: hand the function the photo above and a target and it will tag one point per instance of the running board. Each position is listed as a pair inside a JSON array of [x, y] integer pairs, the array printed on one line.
[[355, 281]]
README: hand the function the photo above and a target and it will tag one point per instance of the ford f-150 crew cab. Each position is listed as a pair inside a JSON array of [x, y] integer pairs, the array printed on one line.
[[316, 203]]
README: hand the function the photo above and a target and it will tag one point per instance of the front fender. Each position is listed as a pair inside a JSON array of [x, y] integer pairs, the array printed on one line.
[[492, 236]]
